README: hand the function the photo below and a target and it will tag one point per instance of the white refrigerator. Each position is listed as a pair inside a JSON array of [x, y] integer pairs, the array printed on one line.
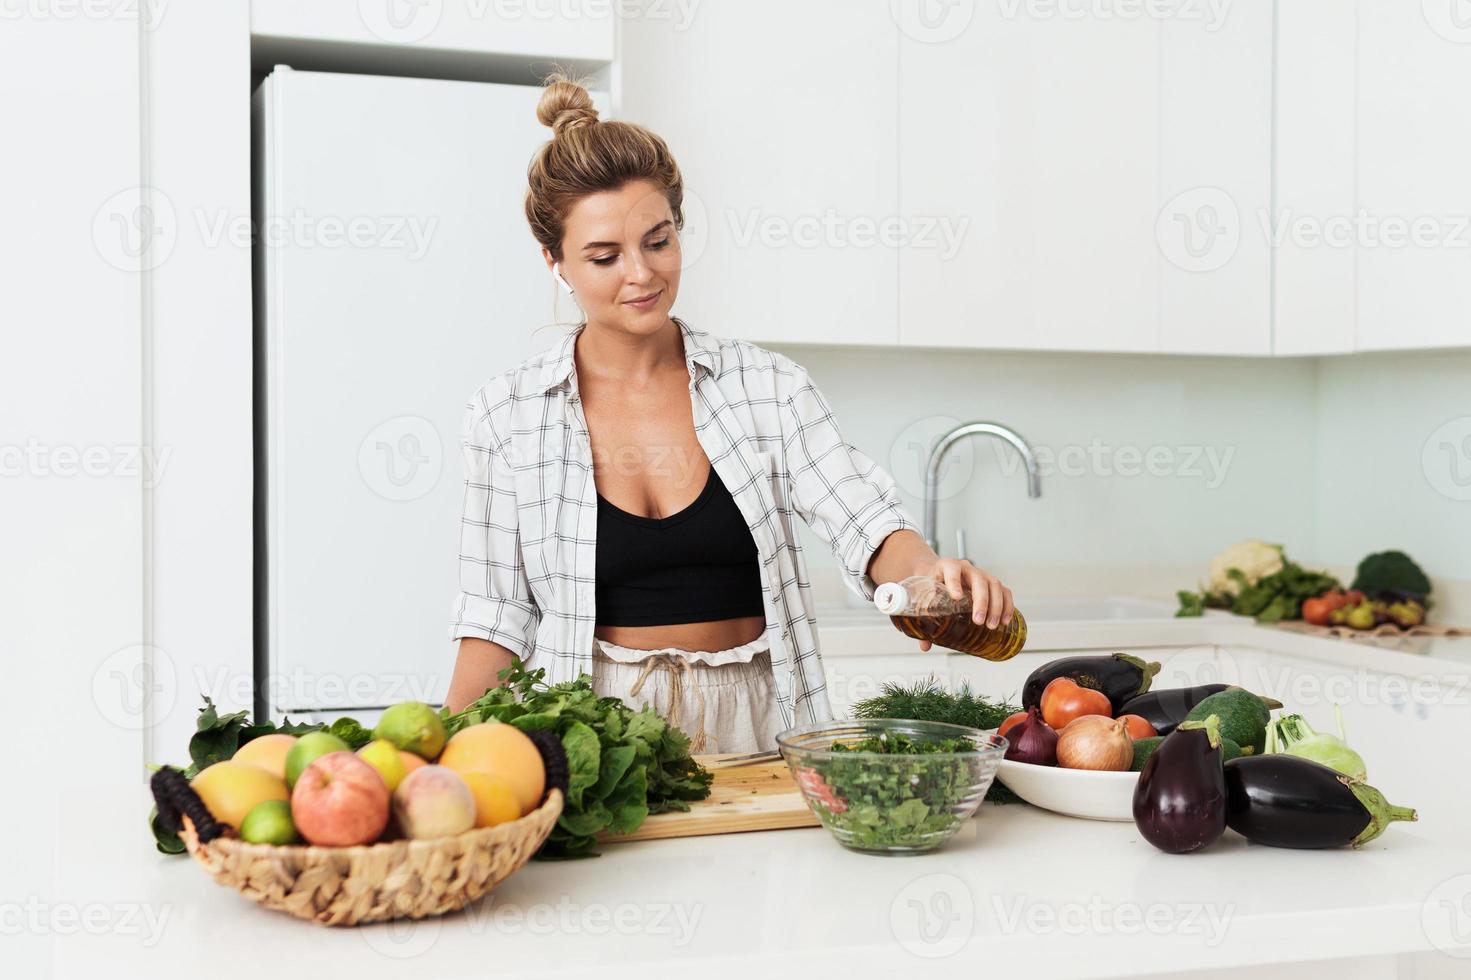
[[395, 274]]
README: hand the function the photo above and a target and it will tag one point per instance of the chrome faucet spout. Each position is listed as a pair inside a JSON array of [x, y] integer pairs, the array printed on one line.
[[948, 441]]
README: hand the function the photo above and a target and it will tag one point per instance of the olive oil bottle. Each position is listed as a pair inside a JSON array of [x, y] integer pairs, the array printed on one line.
[[923, 608]]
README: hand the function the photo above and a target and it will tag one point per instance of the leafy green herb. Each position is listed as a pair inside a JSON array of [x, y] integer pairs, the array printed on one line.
[[623, 764], [928, 700]]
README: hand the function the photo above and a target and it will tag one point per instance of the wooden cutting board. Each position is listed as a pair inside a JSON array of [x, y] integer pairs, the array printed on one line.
[[761, 796]]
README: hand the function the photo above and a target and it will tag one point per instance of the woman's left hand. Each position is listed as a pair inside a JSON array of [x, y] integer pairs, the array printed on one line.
[[990, 600]]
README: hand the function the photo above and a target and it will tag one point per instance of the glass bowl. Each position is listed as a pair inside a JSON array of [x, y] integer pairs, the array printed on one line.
[[887, 802]]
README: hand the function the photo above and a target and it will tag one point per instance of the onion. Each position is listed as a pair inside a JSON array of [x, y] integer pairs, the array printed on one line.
[[1032, 741], [1097, 743]]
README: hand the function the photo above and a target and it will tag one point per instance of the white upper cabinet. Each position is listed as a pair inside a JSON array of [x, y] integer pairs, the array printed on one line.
[[1100, 170], [782, 116], [1315, 301], [1414, 147], [522, 28]]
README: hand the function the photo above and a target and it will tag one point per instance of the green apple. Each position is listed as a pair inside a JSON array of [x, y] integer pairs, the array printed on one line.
[[308, 749]]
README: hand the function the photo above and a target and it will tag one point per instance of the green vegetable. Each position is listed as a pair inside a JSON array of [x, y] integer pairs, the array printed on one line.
[[623, 765], [1392, 572], [927, 700], [1272, 598], [901, 805], [1144, 748], [1243, 715], [1293, 735]]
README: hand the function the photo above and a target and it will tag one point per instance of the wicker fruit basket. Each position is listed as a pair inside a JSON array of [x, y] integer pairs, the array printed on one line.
[[348, 886]]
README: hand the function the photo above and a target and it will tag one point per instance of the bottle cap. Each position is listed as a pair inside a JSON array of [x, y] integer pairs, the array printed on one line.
[[891, 598]]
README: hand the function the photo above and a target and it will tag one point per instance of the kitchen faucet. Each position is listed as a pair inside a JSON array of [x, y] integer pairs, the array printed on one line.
[[949, 439]]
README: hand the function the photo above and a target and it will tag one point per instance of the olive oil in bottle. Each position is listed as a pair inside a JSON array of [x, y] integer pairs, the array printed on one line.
[[923, 608]]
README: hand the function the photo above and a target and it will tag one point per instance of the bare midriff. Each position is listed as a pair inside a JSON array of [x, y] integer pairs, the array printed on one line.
[[720, 634]]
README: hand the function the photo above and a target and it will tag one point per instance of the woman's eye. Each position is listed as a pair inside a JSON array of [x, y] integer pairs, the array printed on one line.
[[605, 260], [662, 243]]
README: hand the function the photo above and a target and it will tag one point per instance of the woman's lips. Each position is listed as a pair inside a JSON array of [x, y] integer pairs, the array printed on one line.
[[644, 304]]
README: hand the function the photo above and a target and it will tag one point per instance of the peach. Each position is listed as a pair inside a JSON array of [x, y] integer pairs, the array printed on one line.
[[268, 752], [339, 800], [433, 801]]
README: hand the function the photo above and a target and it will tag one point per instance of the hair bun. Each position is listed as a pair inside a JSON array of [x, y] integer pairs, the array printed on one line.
[[565, 105]]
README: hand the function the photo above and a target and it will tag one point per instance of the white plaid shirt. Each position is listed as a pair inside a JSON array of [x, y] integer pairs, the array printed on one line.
[[528, 532]]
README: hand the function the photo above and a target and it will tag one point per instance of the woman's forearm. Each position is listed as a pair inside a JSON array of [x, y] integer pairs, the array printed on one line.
[[476, 671], [902, 554]]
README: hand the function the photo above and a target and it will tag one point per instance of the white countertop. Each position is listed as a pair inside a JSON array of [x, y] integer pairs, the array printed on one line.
[[1018, 892]]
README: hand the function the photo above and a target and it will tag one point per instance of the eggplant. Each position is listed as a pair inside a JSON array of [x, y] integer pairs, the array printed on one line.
[[1287, 801], [1119, 676], [1180, 800], [1165, 709]]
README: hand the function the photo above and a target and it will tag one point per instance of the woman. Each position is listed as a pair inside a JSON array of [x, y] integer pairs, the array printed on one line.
[[629, 493]]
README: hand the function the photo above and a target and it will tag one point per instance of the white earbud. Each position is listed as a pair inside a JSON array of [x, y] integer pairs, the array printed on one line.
[[557, 271]]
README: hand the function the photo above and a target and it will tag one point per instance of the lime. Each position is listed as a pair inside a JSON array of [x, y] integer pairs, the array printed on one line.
[[308, 749], [269, 823], [414, 727]]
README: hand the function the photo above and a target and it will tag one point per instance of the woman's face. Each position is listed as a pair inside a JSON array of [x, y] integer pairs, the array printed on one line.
[[618, 247]]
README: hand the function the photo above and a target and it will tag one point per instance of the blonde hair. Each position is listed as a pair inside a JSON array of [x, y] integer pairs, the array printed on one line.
[[586, 155]]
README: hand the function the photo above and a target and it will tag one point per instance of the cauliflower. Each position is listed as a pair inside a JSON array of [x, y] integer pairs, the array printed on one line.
[[1254, 559]]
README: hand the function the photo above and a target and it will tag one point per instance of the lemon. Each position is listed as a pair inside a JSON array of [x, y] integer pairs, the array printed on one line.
[[412, 726], [385, 757]]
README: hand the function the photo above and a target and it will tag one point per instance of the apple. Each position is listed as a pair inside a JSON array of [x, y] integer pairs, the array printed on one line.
[[339, 801]]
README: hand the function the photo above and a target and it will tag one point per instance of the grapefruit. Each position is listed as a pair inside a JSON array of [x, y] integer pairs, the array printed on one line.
[[503, 751], [495, 801]]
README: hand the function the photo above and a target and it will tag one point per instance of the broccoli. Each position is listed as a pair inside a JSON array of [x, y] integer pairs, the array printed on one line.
[[1394, 573]]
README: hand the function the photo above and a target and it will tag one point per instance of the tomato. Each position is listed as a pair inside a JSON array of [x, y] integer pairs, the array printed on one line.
[[1316, 611], [1064, 700], [1137, 727], [1011, 722]]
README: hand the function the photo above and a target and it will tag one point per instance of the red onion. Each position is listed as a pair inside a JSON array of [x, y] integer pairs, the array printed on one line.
[[1032, 741]]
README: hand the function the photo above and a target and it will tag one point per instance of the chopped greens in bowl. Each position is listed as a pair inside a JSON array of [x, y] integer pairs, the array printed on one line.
[[891, 786]]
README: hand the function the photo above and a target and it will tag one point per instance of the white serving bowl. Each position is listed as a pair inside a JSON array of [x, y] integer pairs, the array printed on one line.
[[1074, 792]]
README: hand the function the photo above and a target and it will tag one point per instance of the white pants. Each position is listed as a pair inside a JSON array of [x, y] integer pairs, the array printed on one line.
[[724, 700]]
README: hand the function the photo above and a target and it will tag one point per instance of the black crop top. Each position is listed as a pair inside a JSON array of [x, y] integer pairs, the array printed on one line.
[[694, 566]]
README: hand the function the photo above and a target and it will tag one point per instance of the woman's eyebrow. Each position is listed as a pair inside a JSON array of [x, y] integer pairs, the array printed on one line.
[[646, 234]]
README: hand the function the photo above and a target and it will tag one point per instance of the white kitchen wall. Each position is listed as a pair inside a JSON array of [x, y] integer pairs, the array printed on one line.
[[1153, 463], [1394, 464]]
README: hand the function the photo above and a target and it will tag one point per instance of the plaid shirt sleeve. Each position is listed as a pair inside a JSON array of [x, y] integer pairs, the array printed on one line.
[[839, 492], [495, 601]]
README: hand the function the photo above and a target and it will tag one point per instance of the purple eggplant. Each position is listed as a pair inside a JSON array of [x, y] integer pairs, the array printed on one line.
[[1167, 708], [1287, 801], [1180, 801], [1118, 676]]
